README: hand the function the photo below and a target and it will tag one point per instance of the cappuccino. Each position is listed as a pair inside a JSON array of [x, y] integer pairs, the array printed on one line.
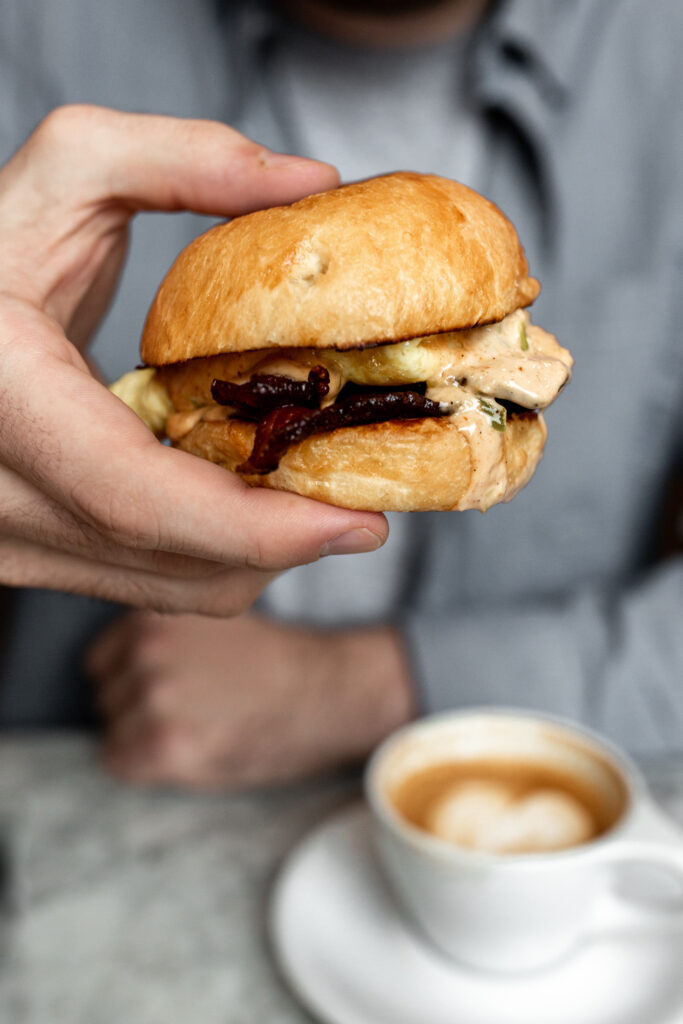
[[498, 831], [505, 806]]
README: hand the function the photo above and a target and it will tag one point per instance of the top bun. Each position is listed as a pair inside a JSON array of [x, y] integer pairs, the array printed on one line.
[[381, 260]]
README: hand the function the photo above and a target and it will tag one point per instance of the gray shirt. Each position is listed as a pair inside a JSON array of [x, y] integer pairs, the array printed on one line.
[[568, 114]]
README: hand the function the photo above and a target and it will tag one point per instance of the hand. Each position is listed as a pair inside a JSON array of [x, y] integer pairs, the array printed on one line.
[[207, 704], [89, 500]]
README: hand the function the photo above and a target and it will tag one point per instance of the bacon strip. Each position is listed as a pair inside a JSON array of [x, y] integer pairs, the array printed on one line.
[[268, 391], [289, 425]]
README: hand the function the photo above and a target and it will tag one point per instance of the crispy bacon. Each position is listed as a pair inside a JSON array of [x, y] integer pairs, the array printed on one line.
[[288, 411], [289, 425], [268, 391]]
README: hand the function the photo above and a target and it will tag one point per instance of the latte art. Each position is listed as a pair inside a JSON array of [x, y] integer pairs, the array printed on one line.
[[503, 806], [492, 816]]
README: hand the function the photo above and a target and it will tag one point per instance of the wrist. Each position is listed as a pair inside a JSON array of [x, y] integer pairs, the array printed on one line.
[[375, 672]]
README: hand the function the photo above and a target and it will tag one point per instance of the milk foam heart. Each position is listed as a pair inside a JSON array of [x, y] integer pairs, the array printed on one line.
[[492, 816]]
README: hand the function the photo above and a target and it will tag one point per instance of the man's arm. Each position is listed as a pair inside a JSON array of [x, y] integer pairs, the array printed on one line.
[[194, 701]]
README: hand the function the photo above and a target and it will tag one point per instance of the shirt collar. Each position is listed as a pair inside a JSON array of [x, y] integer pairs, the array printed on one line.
[[248, 29], [541, 41], [526, 65]]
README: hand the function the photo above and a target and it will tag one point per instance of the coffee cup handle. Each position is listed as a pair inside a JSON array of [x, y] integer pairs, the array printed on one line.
[[667, 856], [617, 911]]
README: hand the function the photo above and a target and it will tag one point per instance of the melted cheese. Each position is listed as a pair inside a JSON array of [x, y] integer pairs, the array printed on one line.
[[146, 396]]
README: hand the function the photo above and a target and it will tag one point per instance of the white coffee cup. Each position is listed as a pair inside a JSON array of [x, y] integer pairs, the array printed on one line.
[[506, 912]]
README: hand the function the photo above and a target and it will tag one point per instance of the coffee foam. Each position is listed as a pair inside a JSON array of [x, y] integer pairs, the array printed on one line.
[[492, 816]]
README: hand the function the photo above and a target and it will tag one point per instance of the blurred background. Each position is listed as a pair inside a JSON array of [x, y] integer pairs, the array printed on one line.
[[567, 114]]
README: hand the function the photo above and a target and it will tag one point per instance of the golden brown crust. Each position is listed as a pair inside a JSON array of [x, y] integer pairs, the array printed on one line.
[[408, 466], [381, 260]]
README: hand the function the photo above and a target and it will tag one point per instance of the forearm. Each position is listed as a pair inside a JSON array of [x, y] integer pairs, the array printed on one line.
[[613, 660]]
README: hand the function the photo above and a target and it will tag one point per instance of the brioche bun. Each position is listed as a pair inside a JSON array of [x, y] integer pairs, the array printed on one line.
[[382, 260]]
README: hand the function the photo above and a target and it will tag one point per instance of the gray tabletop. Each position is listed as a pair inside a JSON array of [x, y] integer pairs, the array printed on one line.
[[126, 907], [129, 907]]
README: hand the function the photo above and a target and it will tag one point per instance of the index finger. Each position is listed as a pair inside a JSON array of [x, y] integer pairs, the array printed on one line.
[[163, 163]]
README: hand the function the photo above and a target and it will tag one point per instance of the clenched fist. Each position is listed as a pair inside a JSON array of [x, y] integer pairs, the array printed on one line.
[[207, 704]]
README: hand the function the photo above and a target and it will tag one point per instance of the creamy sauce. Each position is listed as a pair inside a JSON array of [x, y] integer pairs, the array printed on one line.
[[179, 424], [488, 480], [512, 359]]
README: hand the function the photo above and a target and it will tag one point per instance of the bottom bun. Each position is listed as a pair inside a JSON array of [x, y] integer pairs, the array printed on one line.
[[402, 466]]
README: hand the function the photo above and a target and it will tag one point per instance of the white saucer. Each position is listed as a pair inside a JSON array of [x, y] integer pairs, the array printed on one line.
[[350, 958]]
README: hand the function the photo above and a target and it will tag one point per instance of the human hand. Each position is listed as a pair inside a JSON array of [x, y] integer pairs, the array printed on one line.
[[89, 499], [209, 704]]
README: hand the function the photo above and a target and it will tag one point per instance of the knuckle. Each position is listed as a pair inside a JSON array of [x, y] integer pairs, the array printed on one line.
[[278, 537], [63, 124], [169, 747], [256, 556], [144, 636], [156, 696], [149, 658], [148, 646]]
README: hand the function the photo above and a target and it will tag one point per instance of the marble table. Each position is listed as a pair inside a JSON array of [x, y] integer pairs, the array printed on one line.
[[126, 907]]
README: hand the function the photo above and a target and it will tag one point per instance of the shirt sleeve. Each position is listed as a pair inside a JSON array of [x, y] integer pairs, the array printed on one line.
[[610, 659]]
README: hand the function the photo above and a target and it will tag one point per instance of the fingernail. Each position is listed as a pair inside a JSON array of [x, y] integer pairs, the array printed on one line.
[[352, 543]]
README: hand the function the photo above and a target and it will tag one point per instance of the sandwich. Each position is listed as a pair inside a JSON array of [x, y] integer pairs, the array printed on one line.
[[367, 347]]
